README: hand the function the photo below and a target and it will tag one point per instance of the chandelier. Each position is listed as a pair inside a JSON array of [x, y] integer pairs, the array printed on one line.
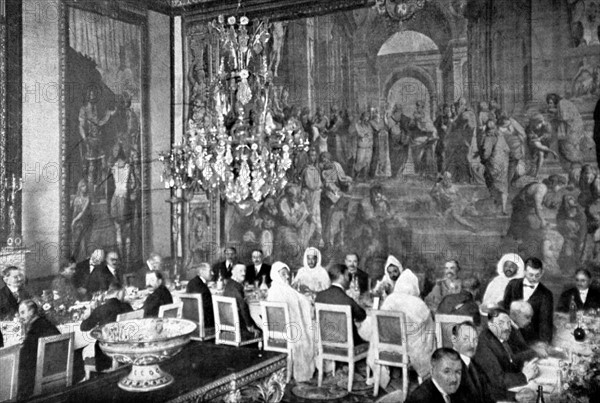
[[400, 10], [231, 144]]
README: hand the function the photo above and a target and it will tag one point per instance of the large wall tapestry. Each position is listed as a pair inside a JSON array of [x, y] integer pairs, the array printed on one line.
[[105, 136], [401, 160]]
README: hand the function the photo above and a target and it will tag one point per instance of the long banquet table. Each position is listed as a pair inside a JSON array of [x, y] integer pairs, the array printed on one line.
[[202, 371]]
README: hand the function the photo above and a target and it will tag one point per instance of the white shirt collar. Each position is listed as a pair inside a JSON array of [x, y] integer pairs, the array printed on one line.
[[444, 394], [528, 291], [583, 294], [466, 359], [113, 270], [14, 290], [338, 285]]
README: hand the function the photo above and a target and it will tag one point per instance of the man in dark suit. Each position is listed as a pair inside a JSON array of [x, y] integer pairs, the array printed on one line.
[[496, 359], [197, 285], [13, 292], [83, 271], [36, 328], [153, 263], [235, 289], [446, 369], [160, 295], [257, 269], [520, 315], [585, 297], [105, 313], [351, 260], [223, 269], [472, 382], [540, 298], [336, 294], [105, 274], [462, 303]]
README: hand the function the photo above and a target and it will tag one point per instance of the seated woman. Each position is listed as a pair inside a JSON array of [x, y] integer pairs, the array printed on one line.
[[63, 284], [303, 347], [420, 329]]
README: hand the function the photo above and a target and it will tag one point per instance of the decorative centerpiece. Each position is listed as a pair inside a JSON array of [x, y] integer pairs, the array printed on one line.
[[144, 343], [581, 379]]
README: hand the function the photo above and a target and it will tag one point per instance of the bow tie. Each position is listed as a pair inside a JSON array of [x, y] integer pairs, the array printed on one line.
[[527, 285]]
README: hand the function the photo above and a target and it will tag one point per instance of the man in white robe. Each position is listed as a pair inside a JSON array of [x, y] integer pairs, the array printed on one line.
[[509, 267], [312, 277]]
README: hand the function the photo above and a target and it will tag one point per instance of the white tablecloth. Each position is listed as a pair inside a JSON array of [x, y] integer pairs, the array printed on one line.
[[12, 335]]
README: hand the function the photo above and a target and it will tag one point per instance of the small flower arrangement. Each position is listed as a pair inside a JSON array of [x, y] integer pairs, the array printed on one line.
[[582, 379]]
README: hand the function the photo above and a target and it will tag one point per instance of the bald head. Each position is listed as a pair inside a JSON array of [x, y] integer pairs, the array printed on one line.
[[521, 313], [238, 273]]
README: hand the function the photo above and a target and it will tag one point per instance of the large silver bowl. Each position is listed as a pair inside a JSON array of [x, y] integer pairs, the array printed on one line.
[[144, 343]]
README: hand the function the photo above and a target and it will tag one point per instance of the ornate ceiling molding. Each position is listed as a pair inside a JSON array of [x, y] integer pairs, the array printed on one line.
[[273, 9]]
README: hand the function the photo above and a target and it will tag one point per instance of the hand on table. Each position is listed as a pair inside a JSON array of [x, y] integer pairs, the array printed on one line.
[[531, 370], [541, 349]]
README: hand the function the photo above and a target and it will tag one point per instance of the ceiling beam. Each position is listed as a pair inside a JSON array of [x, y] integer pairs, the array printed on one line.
[[272, 9]]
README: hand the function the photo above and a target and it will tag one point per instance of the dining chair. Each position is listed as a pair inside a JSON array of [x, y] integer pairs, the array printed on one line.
[[277, 330], [443, 327], [9, 375], [139, 314], [193, 310], [54, 368], [390, 344], [173, 310], [227, 323], [336, 341]]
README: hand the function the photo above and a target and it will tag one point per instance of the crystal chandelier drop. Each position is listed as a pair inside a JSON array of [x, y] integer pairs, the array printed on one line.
[[400, 10], [231, 145]]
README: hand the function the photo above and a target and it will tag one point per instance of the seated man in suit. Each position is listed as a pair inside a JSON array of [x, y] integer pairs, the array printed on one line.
[[446, 373], [472, 383], [257, 269], [13, 292], [463, 302], [540, 298], [160, 295], [449, 284], [497, 360], [585, 297], [153, 263], [223, 269], [105, 274], [521, 313], [107, 312], [235, 289], [336, 294], [83, 271], [36, 327], [351, 260], [197, 285]]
